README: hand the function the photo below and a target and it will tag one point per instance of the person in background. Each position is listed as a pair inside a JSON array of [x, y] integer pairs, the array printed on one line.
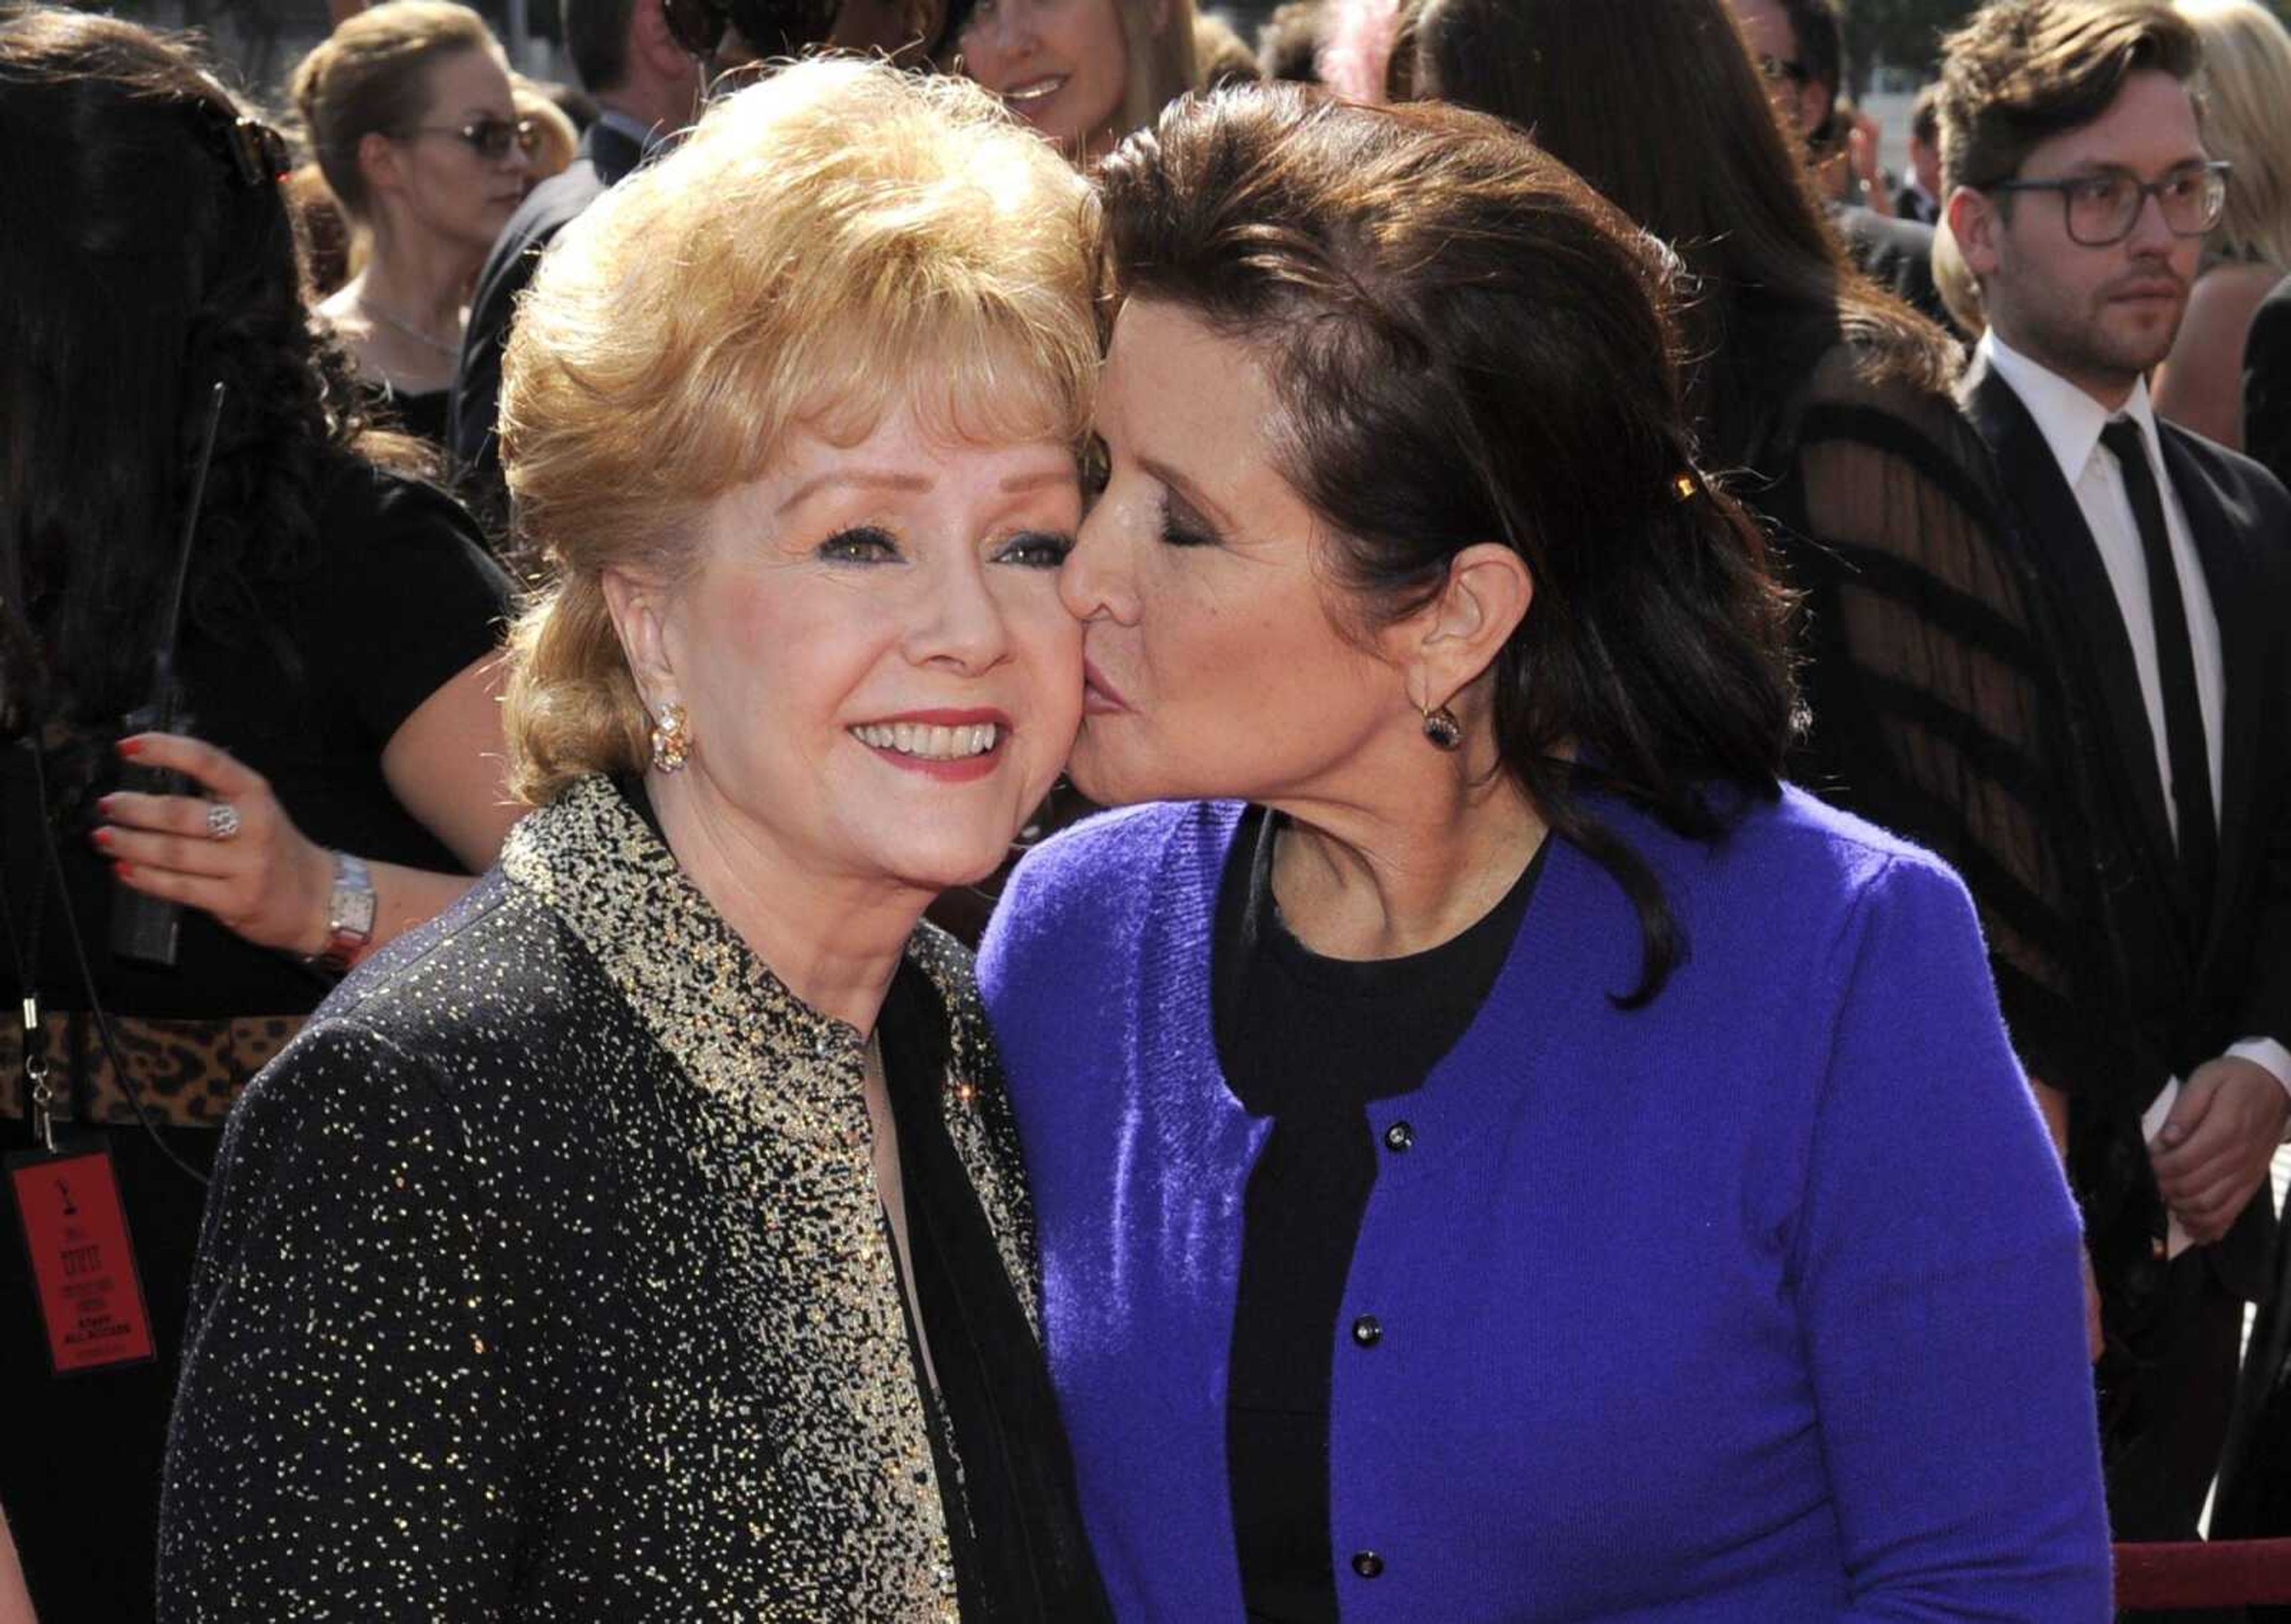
[[2243, 106], [1920, 616], [1084, 72], [1368, 49], [1289, 44], [648, 1241], [410, 113], [1498, 1153], [327, 241], [336, 660], [2081, 192], [551, 141], [1799, 46], [646, 86], [1221, 56], [2267, 382], [1920, 195]]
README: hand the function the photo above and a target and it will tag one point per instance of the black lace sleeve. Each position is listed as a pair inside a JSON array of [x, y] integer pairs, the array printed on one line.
[[1934, 710]]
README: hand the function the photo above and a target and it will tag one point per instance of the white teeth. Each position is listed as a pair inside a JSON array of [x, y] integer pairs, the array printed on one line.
[[931, 743], [1035, 92]]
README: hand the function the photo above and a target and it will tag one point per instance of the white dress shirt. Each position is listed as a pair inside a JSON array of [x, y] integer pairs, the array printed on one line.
[[2071, 421]]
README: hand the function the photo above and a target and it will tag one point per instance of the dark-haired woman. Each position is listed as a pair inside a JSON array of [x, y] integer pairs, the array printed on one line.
[[336, 631], [1498, 1153], [1927, 671]]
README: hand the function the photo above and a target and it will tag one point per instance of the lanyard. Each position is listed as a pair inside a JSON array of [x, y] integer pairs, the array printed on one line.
[[39, 1093]]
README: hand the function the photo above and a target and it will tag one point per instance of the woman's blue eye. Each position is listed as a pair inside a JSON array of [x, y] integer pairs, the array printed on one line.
[[861, 544], [1036, 549]]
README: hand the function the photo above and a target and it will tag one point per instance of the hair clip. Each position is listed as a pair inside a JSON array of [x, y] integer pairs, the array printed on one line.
[[257, 154], [1683, 486]]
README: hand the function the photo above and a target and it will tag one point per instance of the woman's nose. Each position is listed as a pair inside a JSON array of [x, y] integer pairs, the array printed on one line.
[[959, 621], [1092, 583]]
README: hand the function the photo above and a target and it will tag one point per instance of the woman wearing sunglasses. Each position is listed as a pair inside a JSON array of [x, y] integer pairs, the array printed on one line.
[[409, 109]]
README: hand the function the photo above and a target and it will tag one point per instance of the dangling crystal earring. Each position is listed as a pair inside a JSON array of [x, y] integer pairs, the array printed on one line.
[[1442, 728], [671, 738]]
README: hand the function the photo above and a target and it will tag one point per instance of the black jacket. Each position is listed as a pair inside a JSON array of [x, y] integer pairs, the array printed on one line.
[[544, 1276], [606, 156], [2188, 991], [2267, 384]]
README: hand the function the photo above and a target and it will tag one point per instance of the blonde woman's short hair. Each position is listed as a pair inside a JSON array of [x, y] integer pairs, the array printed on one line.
[[828, 246], [2244, 108], [371, 75]]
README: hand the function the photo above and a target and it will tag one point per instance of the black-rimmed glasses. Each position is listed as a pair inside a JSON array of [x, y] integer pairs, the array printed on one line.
[[490, 139], [2101, 208]]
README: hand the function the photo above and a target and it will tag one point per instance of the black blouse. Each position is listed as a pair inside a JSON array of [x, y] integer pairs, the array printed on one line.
[[1308, 1041]]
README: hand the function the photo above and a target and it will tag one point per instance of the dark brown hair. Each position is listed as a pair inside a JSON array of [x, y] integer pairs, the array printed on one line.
[[1469, 346], [2022, 71], [148, 254], [1657, 104]]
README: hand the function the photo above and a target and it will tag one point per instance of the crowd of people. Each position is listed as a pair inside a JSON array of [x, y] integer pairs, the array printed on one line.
[[1681, 1004]]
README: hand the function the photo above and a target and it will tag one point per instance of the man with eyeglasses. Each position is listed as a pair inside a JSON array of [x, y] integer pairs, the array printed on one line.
[[2080, 190]]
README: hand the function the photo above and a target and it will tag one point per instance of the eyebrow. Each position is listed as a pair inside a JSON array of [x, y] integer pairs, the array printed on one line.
[[1186, 489], [884, 479]]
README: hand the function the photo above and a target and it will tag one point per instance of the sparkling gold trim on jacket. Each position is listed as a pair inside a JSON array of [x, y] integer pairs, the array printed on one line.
[[783, 1131]]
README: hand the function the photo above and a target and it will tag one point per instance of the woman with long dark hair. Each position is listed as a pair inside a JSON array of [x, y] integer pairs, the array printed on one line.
[[1498, 1153], [337, 625], [1926, 671]]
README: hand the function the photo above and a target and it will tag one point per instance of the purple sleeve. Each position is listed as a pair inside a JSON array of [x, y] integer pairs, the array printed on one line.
[[1939, 1289]]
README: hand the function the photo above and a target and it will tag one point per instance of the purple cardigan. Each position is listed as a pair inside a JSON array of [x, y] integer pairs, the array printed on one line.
[[1761, 1303]]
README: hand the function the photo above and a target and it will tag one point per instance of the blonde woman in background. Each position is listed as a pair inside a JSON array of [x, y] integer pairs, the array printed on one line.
[[646, 1241], [2244, 110], [412, 119], [1084, 72], [550, 140]]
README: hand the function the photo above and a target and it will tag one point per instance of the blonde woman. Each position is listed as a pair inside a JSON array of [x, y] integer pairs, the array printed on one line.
[[2244, 110], [410, 112], [1084, 72], [645, 1240]]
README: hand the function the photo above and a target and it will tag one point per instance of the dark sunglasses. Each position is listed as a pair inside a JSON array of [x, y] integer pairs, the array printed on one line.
[[490, 138], [772, 26]]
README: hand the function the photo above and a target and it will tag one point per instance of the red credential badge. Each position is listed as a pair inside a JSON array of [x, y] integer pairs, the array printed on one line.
[[83, 1262]]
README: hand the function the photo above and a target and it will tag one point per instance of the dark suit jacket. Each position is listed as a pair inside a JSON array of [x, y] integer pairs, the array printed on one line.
[[2197, 974], [1897, 254], [605, 155], [1911, 204], [2267, 384]]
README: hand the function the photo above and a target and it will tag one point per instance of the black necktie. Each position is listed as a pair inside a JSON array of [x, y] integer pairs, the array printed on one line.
[[2175, 664]]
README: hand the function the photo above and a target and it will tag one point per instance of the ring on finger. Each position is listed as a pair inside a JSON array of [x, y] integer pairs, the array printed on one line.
[[223, 821]]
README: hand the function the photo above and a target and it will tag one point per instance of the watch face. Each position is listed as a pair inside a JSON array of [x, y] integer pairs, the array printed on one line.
[[355, 911]]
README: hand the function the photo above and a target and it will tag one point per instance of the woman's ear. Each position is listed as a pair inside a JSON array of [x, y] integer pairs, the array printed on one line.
[[380, 163], [638, 608], [1447, 643]]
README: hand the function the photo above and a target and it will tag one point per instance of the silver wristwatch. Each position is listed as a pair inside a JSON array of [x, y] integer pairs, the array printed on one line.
[[349, 915]]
